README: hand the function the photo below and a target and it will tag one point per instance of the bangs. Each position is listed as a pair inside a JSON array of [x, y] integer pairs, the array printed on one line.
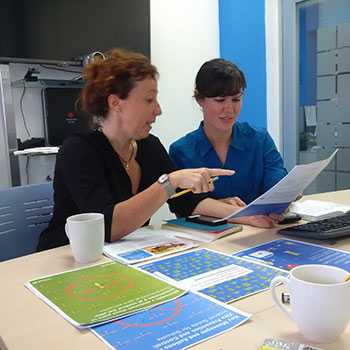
[[224, 86]]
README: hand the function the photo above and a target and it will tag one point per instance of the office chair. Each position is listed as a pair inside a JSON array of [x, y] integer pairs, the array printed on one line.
[[24, 212]]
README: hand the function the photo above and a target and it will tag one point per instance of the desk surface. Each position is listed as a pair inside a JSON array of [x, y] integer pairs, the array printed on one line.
[[28, 323]]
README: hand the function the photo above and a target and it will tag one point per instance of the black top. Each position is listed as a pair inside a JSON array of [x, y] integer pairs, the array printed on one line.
[[89, 177]]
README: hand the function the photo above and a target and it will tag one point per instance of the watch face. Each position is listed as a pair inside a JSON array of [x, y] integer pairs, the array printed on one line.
[[163, 178]]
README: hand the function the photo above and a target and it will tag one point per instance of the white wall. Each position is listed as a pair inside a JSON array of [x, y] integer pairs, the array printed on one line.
[[184, 34]]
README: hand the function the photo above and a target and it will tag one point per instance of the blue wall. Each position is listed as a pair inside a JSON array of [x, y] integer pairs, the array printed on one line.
[[242, 40]]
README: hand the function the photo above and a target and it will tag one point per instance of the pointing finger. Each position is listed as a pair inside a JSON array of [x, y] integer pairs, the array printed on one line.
[[220, 172]]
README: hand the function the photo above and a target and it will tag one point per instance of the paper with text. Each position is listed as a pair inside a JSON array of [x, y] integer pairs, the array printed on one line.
[[278, 198], [145, 244]]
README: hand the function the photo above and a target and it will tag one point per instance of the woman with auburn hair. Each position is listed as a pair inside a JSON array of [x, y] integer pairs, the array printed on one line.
[[120, 169]]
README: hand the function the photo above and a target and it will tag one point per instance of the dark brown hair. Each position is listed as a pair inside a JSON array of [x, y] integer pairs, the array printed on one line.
[[116, 74], [219, 77]]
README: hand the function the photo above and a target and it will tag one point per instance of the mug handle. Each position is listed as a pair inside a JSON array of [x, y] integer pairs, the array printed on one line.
[[66, 229], [275, 281]]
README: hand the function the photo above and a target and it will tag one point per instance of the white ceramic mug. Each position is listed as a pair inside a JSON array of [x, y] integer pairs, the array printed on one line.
[[319, 300], [86, 234]]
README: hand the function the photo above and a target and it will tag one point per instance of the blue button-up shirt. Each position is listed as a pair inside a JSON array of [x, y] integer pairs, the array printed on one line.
[[252, 154]]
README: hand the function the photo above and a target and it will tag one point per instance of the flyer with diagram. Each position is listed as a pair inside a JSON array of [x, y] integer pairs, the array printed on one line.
[[100, 293]]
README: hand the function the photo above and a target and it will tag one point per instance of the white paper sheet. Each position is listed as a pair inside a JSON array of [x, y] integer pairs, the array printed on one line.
[[316, 210], [278, 198], [212, 278], [37, 150]]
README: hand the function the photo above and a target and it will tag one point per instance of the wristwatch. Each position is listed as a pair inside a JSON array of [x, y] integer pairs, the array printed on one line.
[[165, 182]]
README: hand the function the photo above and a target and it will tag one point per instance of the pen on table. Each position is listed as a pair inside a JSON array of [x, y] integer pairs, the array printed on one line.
[[178, 194]]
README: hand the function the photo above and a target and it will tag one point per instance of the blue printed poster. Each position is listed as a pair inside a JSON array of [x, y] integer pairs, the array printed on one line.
[[286, 254], [220, 276], [175, 325]]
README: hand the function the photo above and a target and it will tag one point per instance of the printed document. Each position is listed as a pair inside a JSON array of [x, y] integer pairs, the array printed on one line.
[[100, 293], [285, 254], [278, 198], [176, 325], [144, 244], [217, 275]]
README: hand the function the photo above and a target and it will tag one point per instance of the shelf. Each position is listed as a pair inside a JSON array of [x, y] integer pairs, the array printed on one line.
[[42, 83]]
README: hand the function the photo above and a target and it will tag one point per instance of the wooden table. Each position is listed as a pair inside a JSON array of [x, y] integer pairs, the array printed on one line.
[[28, 323]]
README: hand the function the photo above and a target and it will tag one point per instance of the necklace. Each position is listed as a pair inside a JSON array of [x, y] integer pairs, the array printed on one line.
[[126, 162]]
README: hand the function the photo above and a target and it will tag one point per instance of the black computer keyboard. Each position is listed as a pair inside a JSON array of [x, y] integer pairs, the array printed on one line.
[[338, 226]]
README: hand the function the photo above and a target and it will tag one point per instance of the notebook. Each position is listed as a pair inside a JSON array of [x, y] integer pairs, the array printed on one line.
[[200, 232]]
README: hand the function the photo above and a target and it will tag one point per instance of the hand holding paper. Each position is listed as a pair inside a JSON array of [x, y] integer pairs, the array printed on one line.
[[277, 199]]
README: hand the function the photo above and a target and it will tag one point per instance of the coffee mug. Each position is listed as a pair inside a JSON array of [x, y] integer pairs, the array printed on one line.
[[86, 234], [319, 300]]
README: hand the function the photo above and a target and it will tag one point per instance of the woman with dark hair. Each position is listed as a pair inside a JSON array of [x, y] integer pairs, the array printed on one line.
[[120, 169], [222, 142]]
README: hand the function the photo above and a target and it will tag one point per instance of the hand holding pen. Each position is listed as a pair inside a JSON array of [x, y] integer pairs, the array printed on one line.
[[187, 190], [196, 180]]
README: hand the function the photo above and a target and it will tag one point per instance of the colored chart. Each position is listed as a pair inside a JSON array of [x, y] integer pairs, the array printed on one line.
[[222, 277], [102, 292]]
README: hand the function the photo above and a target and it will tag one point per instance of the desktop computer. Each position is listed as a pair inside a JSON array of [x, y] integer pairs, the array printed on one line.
[[61, 117]]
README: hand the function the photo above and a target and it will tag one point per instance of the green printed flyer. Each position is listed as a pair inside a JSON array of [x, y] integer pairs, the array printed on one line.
[[99, 293]]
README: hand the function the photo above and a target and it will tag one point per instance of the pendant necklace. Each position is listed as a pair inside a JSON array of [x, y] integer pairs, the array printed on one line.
[[126, 162]]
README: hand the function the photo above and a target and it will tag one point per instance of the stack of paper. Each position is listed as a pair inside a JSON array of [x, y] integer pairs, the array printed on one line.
[[37, 151], [312, 210]]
